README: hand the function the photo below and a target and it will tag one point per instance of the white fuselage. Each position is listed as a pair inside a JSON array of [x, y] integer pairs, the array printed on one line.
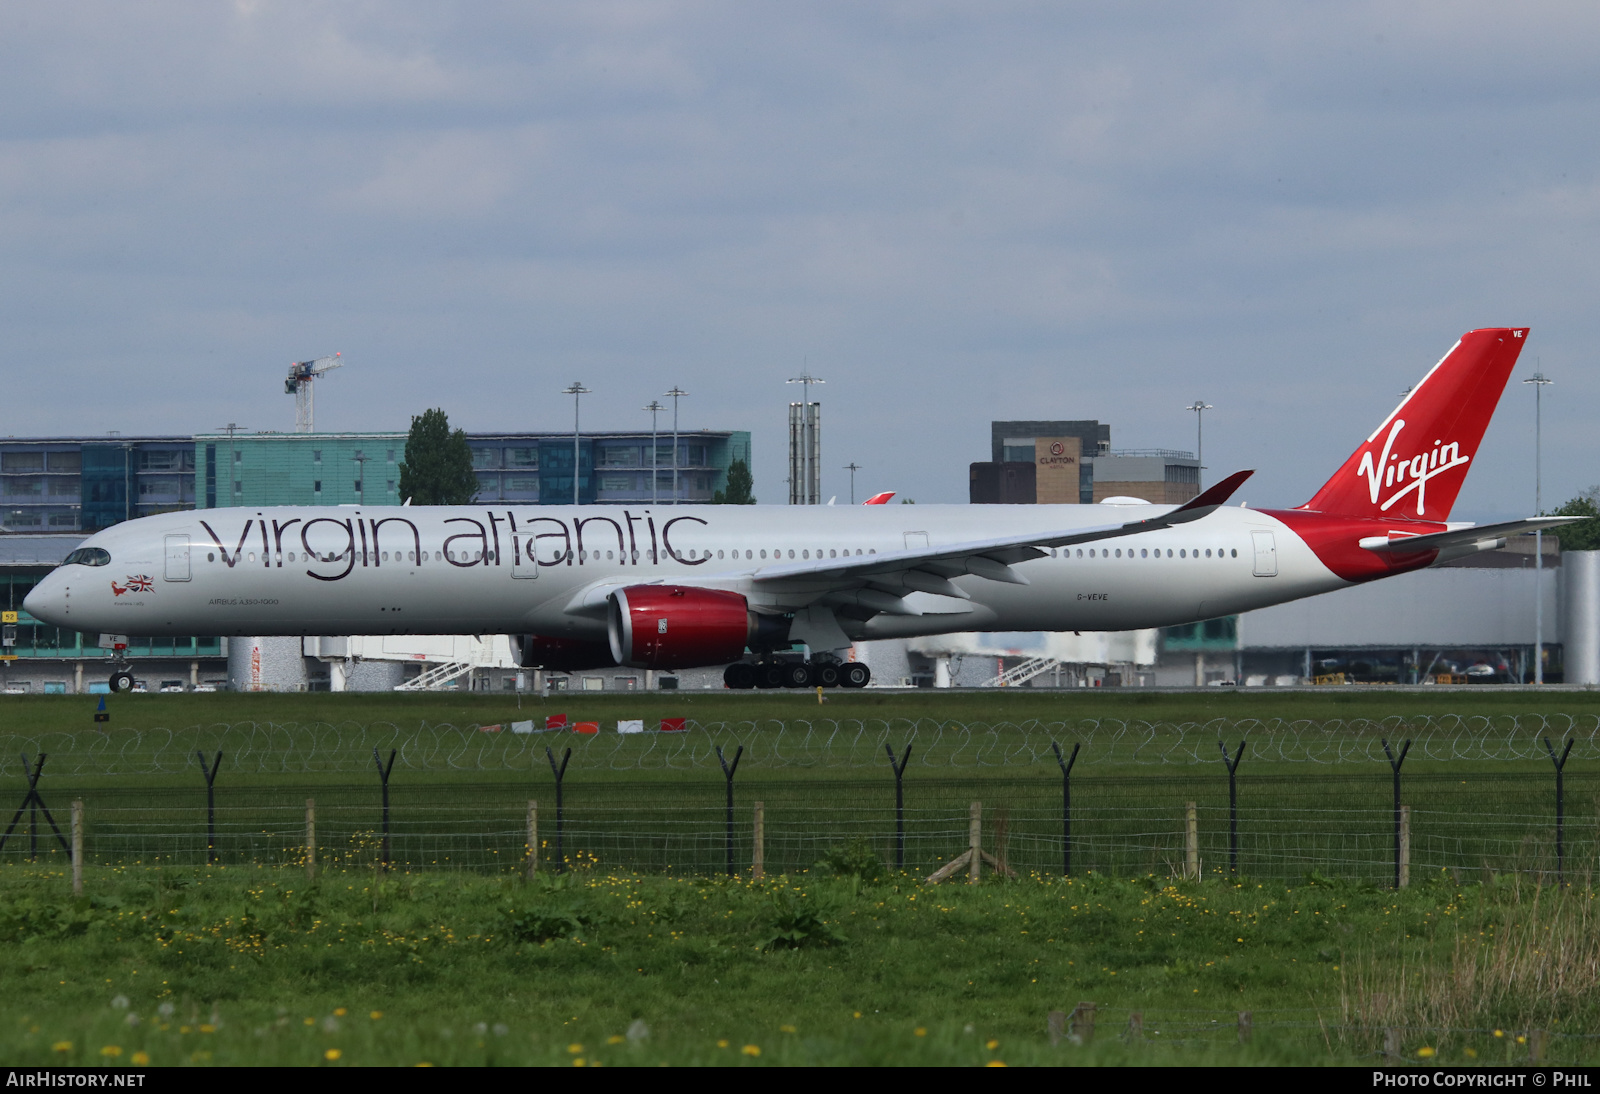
[[509, 569]]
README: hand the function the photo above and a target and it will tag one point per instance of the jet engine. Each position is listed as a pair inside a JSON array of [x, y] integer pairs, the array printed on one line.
[[677, 626], [538, 651]]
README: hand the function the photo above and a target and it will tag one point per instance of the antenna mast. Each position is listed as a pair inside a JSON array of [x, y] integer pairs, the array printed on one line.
[[301, 373]]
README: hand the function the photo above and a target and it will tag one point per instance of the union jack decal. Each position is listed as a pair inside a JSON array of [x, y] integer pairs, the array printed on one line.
[[133, 583]]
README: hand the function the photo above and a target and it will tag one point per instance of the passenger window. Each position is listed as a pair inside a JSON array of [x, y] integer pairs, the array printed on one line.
[[763, 554]]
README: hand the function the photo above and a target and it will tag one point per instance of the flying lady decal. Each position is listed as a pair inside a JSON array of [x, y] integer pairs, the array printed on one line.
[[133, 583]]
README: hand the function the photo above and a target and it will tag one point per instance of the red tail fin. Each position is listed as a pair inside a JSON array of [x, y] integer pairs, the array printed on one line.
[[1413, 465]]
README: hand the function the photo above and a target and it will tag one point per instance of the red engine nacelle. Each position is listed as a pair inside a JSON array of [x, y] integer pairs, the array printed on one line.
[[538, 651], [676, 626]]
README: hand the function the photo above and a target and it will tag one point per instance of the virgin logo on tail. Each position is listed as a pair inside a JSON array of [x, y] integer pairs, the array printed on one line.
[[1392, 470]]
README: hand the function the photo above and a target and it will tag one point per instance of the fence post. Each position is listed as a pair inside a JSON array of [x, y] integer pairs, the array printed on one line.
[[975, 843], [1233, 804], [727, 774], [1394, 766], [77, 847], [560, 773], [383, 773], [311, 839], [1082, 1023], [899, 768], [210, 772], [1066, 804], [1245, 1022], [1405, 847], [758, 855], [34, 804], [1561, 811], [1191, 842], [533, 838]]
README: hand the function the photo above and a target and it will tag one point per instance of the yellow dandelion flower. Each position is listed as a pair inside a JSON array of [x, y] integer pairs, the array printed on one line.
[[141, 1059], [751, 1050], [580, 1062], [574, 1048], [995, 1063], [1499, 1033], [332, 1054], [339, 1012], [615, 1039], [922, 1031], [723, 1043], [111, 1050], [375, 1015], [992, 1045], [786, 1029], [1425, 1051], [61, 1046]]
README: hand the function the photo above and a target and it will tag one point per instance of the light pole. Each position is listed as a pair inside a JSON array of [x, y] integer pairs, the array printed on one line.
[[810, 473], [230, 429], [1200, 406], [654, 408], [675, 394], [852, 467], [577, 391], [360, 461], [1539, 380]]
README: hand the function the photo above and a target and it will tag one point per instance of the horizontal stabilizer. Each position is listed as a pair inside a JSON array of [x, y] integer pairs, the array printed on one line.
[[1405, 543]]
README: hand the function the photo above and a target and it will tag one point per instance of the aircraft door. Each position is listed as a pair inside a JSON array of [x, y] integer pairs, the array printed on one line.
[[524, 566], [1266, 554], [177, 568], [916, 541]]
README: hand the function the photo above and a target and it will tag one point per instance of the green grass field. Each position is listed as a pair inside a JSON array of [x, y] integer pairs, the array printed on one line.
[[257, 966], [40, 713], [645, 928]]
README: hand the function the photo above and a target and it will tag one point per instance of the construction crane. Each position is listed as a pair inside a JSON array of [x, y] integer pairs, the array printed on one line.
[[301, 373]]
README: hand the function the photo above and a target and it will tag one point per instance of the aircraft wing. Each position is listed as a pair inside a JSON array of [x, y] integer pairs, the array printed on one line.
[[1472, 535], [879, 583], [987, 558]]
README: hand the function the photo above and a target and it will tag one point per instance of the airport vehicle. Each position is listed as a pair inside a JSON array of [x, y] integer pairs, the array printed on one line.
[[592, 586]]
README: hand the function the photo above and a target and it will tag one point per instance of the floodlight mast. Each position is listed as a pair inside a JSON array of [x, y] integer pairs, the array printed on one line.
[[301, 373]]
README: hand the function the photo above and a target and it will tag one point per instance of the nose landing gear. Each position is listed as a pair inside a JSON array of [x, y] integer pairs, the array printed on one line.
[[121, 681], [745, 675]]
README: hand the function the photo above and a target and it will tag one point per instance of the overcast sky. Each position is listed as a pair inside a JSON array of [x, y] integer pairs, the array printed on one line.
[[951, 213]]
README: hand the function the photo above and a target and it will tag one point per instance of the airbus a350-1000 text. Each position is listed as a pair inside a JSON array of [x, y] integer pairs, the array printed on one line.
[[592, 586]]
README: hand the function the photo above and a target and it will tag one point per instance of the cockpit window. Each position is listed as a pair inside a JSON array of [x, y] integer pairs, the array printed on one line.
[[88, 556]]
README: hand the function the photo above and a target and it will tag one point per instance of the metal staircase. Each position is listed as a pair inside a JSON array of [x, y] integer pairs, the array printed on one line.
[[1021, 674], [437, 677]]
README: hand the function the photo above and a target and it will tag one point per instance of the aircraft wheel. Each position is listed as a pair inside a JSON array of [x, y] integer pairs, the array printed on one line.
[[769, 676], [826, 674], [796, 674], [121, 682], [739, 676], [856, 675]]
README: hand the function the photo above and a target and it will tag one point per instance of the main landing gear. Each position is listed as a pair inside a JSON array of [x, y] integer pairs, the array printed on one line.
[[744, 675]]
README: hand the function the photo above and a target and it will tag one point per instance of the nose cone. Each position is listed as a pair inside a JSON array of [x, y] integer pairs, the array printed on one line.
[[48, 600]]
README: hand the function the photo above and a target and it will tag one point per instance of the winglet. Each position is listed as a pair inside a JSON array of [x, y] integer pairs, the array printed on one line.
[[880, 499], [1217, 494]]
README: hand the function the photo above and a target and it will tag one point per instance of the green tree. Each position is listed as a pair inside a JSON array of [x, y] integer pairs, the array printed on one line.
[[437, 467], [1584, 535], [741, 486]]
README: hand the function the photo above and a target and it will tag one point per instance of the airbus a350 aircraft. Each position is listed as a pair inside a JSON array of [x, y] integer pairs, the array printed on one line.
[[593, 586]]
